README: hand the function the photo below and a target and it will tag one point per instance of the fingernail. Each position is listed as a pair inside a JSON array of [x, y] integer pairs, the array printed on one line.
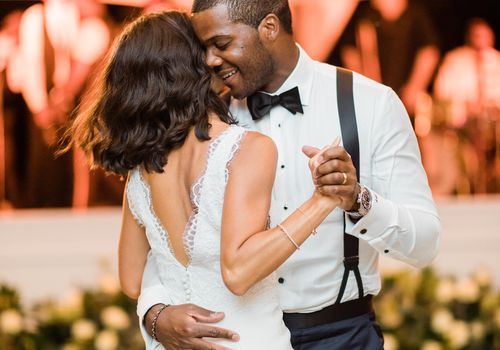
[[235, 337]]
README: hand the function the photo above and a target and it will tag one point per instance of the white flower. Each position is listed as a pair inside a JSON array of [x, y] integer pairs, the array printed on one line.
[[441, 321], [445, 290], [83, 329], [390, 342], [467, 290], [431, 345], [109, 284], [483, 276], [391, 319], [115, 318], [73, 300], [458, 334], [11, 321], [106, 340], [71, 307]]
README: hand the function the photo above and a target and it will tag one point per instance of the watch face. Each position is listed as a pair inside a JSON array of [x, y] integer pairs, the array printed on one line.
[[365, 201]]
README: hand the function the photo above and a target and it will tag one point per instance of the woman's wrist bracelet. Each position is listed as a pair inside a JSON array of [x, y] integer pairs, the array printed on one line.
[[289, 236], [155, 320]]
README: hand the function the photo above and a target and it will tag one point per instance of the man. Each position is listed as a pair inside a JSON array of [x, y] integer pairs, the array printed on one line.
[[250, 46], [393, 42], [467, 87]]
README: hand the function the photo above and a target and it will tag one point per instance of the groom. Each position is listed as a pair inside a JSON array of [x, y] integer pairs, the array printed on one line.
[[388, 210]]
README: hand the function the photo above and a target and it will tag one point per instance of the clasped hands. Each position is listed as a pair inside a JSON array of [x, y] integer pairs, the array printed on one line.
[[334, 174]]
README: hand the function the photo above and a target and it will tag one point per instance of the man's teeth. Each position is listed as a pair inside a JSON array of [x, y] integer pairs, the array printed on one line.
[[230, 74]]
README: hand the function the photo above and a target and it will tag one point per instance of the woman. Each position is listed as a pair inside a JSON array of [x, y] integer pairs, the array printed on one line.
[[199, 186]]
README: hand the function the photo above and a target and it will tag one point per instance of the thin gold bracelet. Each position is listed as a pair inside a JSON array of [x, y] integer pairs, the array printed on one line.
[[288, 235], [302, 212]]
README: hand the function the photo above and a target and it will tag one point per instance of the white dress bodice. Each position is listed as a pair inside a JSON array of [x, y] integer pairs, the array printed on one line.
[[255, 316]]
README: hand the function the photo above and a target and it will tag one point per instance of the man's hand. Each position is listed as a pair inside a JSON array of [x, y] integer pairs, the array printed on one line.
[[182, 327], [335, 175]]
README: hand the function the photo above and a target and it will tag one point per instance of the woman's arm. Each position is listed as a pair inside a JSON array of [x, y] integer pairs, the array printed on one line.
[[249, 252], [132, 253]]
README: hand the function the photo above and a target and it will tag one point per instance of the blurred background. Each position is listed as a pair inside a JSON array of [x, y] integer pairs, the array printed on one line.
[[59, 219]]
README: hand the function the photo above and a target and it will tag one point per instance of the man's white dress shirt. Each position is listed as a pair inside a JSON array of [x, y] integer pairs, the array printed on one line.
[[403, 221]]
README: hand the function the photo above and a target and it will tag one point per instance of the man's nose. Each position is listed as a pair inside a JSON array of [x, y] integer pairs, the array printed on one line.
[[212, 59]]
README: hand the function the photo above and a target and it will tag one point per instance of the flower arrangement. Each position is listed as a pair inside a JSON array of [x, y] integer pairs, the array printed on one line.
[[101, 319], [417, 310]]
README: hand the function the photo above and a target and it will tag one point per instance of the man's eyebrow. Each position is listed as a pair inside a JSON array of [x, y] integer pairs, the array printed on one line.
[[215, 38]]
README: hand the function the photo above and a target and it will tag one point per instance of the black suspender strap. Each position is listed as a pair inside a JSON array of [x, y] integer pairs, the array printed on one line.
[[349, 128]]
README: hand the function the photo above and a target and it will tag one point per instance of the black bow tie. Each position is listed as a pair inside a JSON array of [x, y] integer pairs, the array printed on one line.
[[259, 104]]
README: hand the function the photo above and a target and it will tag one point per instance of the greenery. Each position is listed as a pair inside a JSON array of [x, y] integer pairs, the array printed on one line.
[[416, 310], [424, 311], [102, 319]]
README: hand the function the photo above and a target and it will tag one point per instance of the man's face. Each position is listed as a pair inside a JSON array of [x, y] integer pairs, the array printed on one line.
[[234, 51], [481, 36]]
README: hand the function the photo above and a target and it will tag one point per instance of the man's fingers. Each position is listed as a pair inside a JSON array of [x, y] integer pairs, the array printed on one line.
[[200, 344], [310, 151], [337, 152], [201, 330], [333, 166], [336, 179], [207, 317], [203, 315]]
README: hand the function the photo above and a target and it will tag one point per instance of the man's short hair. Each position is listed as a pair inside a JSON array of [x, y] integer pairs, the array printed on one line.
[[250, 12]]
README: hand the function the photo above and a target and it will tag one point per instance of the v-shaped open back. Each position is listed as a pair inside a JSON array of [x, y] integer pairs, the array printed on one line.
[[190, 227]]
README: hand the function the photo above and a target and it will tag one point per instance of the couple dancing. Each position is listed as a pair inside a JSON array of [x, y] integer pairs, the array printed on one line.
[[234, 239]]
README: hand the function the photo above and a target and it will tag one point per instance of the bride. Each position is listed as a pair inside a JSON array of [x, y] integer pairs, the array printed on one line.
[[199, 186]]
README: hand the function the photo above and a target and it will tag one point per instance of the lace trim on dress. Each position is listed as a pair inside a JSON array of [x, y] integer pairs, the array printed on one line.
[[156, 221], [192, 223], [134, 209], [234, 151], [191, 226]]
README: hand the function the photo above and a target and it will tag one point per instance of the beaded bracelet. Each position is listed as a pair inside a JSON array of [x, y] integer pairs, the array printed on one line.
[[155, 319], [288, 235]]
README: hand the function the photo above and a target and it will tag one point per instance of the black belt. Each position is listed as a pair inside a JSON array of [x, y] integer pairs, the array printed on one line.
[[332, 313]]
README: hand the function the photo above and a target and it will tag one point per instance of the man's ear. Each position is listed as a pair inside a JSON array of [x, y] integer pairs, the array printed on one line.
[[269, 27]]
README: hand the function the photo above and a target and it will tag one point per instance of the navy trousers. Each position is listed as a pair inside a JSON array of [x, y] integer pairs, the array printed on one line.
[[357, 333]]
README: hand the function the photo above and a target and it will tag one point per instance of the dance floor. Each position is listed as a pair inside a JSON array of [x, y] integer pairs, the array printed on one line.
[[46, 253]]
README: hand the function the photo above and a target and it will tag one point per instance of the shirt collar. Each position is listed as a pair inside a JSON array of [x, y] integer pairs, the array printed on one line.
[[301, 76]]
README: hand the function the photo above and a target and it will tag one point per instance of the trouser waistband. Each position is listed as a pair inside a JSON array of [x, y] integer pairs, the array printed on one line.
[[332, 313]]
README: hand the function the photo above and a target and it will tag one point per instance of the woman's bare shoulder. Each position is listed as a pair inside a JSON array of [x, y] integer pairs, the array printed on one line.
[[255, 142]]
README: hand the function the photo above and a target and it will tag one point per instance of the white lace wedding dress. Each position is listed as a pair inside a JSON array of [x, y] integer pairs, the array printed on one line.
[[255, 316]]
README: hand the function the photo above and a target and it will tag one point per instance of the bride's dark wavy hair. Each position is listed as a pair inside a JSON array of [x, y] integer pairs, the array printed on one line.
[[155, 88]]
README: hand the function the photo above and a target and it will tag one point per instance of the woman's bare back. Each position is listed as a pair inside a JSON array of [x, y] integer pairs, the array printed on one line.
[[171, 190]]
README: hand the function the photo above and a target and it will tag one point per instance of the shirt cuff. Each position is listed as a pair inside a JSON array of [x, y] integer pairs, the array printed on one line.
[[372, 226], [148, 298]]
